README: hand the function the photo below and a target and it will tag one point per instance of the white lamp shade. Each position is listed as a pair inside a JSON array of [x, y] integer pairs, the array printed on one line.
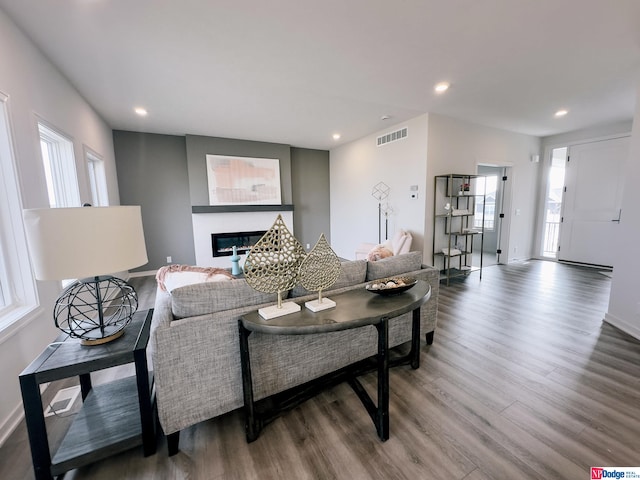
[[84, 241]]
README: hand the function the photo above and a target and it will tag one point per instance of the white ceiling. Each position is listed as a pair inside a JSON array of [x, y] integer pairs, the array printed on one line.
[[296, 71]]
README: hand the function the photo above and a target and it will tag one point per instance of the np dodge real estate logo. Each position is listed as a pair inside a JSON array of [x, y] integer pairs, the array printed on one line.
[[598, 473]]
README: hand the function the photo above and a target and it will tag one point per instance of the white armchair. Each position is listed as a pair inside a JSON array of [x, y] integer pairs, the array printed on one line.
[[398, 244]]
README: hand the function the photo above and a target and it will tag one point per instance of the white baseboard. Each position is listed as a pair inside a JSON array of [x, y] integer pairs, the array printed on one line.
[[142, 274], [10, 423], [625, 326]]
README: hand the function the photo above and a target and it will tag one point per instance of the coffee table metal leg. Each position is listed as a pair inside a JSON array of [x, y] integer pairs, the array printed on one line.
[[252, 429], [382, 420]]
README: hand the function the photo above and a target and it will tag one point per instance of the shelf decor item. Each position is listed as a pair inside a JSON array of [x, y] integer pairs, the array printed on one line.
[[235, 262], [318, 271], [391, 286], [88, 244], [272, 267]]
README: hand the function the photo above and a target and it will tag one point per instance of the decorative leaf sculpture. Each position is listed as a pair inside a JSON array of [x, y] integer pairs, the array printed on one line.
[[273, 262], [321, 267]]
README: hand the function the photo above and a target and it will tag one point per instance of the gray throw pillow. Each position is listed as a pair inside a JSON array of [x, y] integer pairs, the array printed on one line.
[[204, 298]]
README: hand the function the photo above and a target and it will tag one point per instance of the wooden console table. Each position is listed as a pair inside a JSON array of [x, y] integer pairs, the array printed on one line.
[[355, 308], [115, 416]]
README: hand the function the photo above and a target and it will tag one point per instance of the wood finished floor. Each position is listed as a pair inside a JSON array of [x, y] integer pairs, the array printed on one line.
[[523, 381]]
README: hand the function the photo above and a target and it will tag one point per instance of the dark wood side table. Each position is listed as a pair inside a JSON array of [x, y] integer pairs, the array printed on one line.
[[114, 417], [355, 308]]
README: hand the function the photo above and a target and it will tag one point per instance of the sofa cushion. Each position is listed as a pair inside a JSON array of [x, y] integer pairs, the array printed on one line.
[[387, 267], [211, 297], [351, 273]]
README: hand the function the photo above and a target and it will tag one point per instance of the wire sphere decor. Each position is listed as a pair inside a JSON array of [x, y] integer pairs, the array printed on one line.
[[96, 310]]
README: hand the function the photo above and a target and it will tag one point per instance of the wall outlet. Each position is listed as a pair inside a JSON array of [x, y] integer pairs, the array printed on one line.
[[308, 246], [169, 259]]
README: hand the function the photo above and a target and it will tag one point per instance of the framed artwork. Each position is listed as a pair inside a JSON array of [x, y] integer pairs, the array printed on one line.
[[243, 180]]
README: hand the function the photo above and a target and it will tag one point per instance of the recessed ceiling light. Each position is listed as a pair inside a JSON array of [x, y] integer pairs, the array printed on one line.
[[442, 87], [140, 111], [561, 113], [336, 136]]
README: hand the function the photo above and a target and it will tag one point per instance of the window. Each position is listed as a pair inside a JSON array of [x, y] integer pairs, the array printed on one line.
[[17, 287], [97, 179], [553, 202], [490, 192], [3, 280], [59, 168]]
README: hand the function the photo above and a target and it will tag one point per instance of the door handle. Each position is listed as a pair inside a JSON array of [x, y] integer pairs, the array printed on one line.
[[617, 220]]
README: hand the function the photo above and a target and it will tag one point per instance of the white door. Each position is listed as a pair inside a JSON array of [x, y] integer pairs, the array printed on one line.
[[592, 201]]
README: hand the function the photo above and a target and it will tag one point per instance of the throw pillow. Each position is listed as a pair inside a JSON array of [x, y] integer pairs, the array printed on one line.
[[379, 252], [171, 277]]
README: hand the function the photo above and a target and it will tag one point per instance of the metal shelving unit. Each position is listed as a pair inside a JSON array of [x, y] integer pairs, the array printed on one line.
[[454, 228]]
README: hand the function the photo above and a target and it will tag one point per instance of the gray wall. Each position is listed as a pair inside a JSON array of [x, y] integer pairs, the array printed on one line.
[[198, 147], [310, 188], [167, 174], [152, 173]]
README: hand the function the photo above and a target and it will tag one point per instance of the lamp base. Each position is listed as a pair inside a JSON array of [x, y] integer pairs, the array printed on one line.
[[100, 341], [96, 310]]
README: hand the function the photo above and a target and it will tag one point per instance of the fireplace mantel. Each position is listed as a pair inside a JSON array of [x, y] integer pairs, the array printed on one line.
[[240, 208]]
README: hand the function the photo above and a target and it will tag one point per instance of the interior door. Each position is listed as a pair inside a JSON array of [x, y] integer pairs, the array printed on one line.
[[592, 203]]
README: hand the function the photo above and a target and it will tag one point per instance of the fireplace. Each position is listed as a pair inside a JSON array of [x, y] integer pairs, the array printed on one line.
[[222, 243]]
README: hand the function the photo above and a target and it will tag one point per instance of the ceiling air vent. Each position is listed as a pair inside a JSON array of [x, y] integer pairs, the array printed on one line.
[[393, 136]]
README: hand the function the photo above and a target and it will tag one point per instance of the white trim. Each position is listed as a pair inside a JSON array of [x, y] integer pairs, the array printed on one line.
[[146, 273], [625, 326], [60, 162], [96, 176], [19, 319], [585, 140], [11, 423], [20, 288]]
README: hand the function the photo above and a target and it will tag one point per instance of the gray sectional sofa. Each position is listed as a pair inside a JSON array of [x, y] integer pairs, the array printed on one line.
[[195, 347]]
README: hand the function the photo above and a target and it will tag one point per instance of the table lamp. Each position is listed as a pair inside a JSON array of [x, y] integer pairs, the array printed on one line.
[[88, 244]]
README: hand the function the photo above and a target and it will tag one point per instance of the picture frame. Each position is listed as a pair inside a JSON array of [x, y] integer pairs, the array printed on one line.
[[235, 180]]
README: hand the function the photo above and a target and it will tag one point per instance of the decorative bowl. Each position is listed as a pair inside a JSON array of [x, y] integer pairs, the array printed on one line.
[[391, 285]]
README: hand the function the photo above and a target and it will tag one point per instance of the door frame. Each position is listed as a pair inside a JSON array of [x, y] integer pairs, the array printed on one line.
[[539, 230], [505, 224]]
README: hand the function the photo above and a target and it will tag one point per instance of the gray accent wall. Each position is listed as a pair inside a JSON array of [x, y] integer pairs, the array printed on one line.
[[152, 173], [166, 175], [199, 146], [310, 189]]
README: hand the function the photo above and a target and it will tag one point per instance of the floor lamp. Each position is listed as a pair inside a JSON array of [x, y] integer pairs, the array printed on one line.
[[380, 192], [88, 244]]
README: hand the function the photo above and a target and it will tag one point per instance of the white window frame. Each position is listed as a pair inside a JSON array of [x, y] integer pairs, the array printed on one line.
[[97, 178], [19, 291], [59, 164]]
